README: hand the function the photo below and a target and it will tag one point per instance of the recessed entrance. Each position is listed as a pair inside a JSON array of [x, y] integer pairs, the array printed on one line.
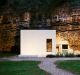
[[49, 45], [65, 49]]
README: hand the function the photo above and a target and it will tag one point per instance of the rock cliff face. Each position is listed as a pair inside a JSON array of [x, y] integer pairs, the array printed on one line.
[[73, 38], [7, 36], [65, 19]]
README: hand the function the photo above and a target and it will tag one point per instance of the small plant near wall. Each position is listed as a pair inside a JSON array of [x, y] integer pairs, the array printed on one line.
[[59, 55], [78, 55], [69, 55]]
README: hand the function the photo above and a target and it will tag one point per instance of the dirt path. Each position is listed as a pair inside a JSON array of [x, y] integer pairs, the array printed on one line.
[[49, 66]]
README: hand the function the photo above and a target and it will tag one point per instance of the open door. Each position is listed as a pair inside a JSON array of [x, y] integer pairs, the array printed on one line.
[[49, 45]]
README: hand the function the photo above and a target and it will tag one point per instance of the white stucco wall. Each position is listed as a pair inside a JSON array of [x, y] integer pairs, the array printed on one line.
[[33, 42]]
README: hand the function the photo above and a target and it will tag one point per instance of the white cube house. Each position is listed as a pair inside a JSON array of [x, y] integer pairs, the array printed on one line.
[[37, 43]]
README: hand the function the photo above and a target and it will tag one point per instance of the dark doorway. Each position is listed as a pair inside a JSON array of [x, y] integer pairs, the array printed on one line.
[[65, 49], [64, 46]]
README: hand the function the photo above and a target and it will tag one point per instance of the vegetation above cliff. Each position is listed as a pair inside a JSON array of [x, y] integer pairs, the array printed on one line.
[[41, 5]]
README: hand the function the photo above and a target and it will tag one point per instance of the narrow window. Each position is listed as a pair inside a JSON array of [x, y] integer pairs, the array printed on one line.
[[64, 46], [49, 45]]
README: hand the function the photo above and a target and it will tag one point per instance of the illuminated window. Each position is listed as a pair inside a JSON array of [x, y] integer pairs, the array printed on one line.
[[49, 45]]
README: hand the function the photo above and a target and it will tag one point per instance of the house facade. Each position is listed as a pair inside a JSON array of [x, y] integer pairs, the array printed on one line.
[[38, 43]]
